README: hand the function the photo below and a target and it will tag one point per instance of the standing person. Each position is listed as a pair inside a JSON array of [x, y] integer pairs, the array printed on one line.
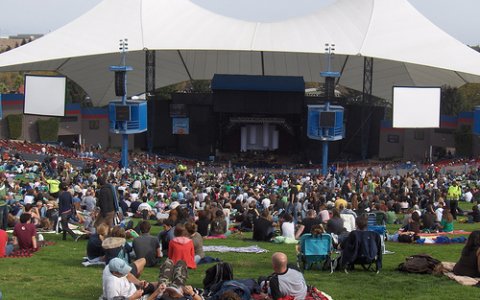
[[285, 281], [106, 198], [3, 203], [3, 213], [53, 185], [453, 195], [66, 210], [147, 246]]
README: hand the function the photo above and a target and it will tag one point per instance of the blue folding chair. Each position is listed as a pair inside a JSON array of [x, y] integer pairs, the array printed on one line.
[[376, 223], [314, 250]]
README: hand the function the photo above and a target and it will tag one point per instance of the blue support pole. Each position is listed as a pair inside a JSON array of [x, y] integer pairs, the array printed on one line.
[[125, 151], [124, 136], [325, 146], [324, 158]]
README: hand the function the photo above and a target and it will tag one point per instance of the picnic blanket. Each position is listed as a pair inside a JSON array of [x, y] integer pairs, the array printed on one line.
[[76, 231], [463, 280], [435, 234], [224, 249], [215, 237], [442, 239], [21, 253]]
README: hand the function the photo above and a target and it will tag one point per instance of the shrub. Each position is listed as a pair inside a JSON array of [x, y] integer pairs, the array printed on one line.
[[15, 123], [48, 130]]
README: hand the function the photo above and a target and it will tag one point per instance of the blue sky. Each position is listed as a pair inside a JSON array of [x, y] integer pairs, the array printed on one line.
[[459, 18]]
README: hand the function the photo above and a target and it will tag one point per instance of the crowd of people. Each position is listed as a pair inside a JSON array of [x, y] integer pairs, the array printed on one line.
[[192, 201]]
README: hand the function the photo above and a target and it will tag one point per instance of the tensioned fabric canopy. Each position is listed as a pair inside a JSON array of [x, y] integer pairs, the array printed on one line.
[[194, 43]]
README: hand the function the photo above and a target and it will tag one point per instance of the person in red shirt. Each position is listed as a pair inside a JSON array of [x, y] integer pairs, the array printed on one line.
[[181, 247], [5, 247], [25, 233]]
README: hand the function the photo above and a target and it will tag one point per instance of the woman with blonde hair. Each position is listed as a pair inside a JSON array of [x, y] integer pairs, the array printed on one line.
[[94, 245]]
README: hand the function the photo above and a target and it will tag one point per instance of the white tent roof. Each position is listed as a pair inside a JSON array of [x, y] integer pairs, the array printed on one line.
[[197, 43]]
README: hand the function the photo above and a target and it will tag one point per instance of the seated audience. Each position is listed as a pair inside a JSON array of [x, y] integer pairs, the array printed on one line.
[[335, 224], [263, 227], [172, 281], [249, 217], [95, 250], [316, 230], [428, 219], [413, 223], [117, 284], [147, 246], [469, 262], [305, 226], [288, 227], [285, 280], [203, 222], [474, 215], [5, 247], [197, 241], [446, 225], [25, 233], [166, 235], [181, 247], [116, 246], [218, 226]]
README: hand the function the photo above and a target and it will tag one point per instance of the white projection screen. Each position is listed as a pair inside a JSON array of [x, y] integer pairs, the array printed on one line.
[[45, 95], [416, 107]]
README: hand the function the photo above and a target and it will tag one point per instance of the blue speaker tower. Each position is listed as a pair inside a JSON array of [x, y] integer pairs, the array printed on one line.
[[125, 117], [325, 122]]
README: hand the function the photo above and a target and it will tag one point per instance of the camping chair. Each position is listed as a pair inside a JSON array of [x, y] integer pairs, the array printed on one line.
[[382, 231], [348, 222], [362, 248], [376, 219], [315, 249], [376, 223]]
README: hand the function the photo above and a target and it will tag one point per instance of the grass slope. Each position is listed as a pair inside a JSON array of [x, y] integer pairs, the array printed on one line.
[[55, 272]]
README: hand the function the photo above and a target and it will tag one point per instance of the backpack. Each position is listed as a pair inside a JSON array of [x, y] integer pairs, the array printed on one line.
[[237, 286], [420, 264], [220, 272]]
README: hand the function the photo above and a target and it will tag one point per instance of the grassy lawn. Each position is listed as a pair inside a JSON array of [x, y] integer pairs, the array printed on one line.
[[55, 272]]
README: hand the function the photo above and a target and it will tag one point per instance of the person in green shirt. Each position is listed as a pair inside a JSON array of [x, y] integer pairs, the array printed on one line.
[[454, 193], [53, 185], [446, 224]]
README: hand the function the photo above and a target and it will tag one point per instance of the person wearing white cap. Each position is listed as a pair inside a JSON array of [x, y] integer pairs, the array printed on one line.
[[115, 282]]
